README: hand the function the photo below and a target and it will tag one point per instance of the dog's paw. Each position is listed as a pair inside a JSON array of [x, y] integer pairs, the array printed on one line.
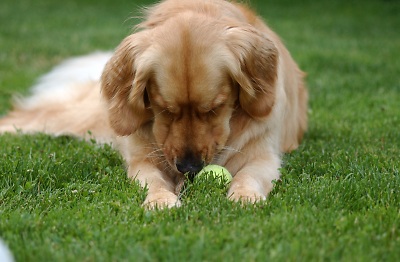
[[246, 196], [161, 200]]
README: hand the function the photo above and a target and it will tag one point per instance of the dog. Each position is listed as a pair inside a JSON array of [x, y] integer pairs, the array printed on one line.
[[198, 82]]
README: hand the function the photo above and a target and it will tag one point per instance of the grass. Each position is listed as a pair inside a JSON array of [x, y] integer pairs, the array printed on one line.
[[66, 200]]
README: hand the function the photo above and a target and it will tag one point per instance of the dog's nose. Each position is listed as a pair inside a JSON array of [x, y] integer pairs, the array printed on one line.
[[189, 165]]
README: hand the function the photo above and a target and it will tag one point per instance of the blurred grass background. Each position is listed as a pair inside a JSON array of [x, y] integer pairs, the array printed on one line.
[[66, 200]]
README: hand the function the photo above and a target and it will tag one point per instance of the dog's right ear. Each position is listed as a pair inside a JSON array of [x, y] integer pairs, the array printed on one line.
[[123, 85]]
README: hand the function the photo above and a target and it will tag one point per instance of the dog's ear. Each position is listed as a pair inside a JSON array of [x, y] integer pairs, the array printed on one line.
[[254, 69], [123, 84]]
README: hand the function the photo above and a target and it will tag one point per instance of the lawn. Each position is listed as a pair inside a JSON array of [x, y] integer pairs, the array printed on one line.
[[62, 199]]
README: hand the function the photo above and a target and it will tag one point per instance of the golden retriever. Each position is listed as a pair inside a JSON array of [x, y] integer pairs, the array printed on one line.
[[199, 82]]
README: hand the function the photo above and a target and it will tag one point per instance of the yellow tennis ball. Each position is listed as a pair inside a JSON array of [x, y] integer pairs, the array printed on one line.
[[216, 171]]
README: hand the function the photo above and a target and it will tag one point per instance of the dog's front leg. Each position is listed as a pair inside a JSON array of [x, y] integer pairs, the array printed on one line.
[[160, 187], [254, 181]]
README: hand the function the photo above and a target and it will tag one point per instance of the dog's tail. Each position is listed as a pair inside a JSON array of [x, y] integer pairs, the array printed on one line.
[[66, 101]]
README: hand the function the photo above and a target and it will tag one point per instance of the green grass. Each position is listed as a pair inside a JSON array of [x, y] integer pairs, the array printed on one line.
[[66, 200]]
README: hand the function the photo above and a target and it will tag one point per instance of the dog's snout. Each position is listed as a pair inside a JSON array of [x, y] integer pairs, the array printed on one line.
[[189, 165], [192, 168]]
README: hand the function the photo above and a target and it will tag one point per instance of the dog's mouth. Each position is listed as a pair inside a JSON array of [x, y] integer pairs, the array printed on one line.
[[191, 162], [190, 176]]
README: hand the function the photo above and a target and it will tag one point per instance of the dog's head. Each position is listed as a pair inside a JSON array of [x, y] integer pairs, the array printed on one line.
[[187, 77]]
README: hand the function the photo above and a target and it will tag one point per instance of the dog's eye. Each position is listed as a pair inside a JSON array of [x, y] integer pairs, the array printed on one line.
[[172, 110], [172, 113], [204, 109], [210, 110]]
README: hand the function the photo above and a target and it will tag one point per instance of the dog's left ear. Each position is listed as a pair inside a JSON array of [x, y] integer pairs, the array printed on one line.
[[254, 69]]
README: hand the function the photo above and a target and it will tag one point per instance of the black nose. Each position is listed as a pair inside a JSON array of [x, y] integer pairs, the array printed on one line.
[[189, 165]]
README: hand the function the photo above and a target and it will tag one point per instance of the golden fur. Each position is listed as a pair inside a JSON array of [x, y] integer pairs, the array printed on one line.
[[200, 82]]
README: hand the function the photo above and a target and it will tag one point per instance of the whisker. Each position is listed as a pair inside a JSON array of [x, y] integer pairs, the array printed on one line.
[[231, 149], [161, 161], [156, 152], [159, 113]]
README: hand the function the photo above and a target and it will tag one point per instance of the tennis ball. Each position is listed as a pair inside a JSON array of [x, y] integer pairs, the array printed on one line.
[[216, 171]]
